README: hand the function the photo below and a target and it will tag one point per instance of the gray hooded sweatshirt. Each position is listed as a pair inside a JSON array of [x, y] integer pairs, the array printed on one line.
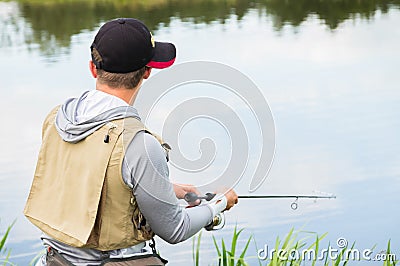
[[144, 169]]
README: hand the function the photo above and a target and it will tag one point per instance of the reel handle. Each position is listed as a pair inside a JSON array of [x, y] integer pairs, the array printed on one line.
[[192, 197], [217, 223]]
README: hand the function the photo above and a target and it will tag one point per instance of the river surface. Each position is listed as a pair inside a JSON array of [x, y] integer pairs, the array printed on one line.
[[329, 71]]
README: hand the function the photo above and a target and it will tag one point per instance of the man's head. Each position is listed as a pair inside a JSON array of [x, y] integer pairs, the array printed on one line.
[[124, 50]]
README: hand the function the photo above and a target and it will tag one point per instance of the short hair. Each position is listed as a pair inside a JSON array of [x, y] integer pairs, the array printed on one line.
[[128, 80]]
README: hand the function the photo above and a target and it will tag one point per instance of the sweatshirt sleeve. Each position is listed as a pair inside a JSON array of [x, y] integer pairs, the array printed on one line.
[[145, 170]]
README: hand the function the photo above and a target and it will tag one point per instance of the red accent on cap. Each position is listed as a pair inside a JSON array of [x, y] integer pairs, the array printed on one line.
[[161, 65]]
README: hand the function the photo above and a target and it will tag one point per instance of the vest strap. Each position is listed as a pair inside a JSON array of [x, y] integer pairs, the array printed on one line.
[[152, 245]]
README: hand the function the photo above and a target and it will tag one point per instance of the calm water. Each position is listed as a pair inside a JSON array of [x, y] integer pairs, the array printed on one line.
[[328, 69]]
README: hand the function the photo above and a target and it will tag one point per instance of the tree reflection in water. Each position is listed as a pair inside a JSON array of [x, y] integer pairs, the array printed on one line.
[[50, 24]]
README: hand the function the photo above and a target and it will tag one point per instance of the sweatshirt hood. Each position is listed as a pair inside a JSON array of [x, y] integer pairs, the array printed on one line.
[[79, 117]]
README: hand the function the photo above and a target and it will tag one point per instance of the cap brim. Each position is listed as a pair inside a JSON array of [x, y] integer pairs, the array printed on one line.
[[164, 55]]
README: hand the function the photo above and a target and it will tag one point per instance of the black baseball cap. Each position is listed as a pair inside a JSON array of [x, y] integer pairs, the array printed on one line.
[[126, 45]]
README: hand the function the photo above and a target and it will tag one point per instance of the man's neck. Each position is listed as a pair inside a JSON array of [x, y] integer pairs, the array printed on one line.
[[127, 95]]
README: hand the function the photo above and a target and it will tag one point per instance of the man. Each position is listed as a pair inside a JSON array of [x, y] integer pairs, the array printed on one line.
[[101, 187]]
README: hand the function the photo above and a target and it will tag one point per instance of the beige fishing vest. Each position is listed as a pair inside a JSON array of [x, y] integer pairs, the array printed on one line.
[[78, 195]]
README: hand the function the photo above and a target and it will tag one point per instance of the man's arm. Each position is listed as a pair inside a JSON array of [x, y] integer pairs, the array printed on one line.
[[145, 169]]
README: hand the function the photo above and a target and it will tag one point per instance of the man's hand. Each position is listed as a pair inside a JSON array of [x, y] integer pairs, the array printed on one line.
[[232, 199], [182, 189]]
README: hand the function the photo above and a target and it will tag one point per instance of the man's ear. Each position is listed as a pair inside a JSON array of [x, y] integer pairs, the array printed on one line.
[[93, 69], [147, 73]]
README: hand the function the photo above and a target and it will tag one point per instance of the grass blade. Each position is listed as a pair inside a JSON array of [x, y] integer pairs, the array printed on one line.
[[3, 240], [348, 254], [224, 258], [193, 251], [287, 239], [274, 259], [233, 244], [37, 258], [326, 258], [196, 251], [216, 247], [255, 244], [241, 258]]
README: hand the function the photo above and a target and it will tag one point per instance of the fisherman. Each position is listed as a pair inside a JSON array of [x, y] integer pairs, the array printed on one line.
[[101, 189]]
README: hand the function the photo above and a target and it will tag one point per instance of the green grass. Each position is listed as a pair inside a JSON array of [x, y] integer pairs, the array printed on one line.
[[291, 249], [225, 256], [229, 257], [389, 261], [196, 249], [4, 252]]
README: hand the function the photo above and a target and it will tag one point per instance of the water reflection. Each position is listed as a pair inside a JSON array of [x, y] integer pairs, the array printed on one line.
[[51, 25], [332, 86]]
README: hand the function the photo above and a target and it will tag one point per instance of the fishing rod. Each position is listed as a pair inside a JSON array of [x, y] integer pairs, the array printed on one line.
[[218, 221], [192, 197], [294, 204], [286, 196]]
